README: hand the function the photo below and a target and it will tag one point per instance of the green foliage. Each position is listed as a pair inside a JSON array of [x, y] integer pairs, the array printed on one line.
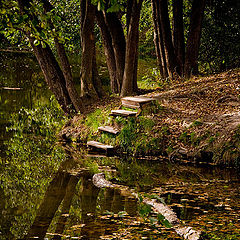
[[164, 221], [136, 136], [220, 43], [32, 159], [191, 138], [96, 119], [145, 212], [196, 123], [152, 80], [63, 22], [146, 41], [42, 121]]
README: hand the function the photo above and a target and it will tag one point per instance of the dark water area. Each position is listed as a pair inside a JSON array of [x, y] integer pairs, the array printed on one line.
[[21, 85], [46, 190]]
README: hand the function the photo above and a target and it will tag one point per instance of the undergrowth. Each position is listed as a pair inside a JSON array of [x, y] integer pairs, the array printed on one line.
[[138, 136]]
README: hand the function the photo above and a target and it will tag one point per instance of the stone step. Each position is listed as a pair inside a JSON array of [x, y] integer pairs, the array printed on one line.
[[109, 129], [100, 147], [123, 113], [136, 102], [95, 155]]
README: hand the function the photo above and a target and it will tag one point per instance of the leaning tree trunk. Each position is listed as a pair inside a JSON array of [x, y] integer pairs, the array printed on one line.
[[193, 41], [88, 50], [130, 71], [66, 68], [119, 44], [109, 52], [65, 65], [178, 34], [53, 74]]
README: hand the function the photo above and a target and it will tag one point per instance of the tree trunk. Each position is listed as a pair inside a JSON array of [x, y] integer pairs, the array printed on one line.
[[167, 37], [193, 41], [88, 50], [95, 77], [66, 68], [178, 34], [118, 43], [109, 52], [187, 233], [53, 74], [158, 40], [130, 77]]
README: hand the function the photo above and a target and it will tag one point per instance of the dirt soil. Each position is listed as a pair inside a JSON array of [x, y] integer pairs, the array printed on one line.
[[203, 116]]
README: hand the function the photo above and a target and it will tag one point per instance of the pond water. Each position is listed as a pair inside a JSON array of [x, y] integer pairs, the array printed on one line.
[[46, 190]]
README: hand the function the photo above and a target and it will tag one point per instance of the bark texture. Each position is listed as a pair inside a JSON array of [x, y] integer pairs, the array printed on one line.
[[169, 44], [119, 44], [193, 41], [158, 40], [109, 52], [88, 49], [53, 74], [178, 34], [129, 86], [167, 37]]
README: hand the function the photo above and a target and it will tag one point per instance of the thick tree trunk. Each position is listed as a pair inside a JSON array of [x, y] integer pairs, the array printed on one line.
[[53, 74], [109, 52], [193, 41], [118, 43], [178, 34], [88, 50], [95, 76], [130, 77], [158, 40], [65, 65], [167, 36]]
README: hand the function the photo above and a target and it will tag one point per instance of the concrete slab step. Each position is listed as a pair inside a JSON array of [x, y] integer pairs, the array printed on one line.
[[136, 102], [123, 113], [109, 129], [95, 155], [100, 147]]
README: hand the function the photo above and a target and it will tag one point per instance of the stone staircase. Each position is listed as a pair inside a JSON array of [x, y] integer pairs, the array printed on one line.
[[138, 102]]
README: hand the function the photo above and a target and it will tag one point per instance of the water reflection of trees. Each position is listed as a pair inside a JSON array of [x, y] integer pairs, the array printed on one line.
[[72, 188]]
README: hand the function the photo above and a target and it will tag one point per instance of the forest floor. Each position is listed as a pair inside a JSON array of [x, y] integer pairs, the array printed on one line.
[[202, 116]]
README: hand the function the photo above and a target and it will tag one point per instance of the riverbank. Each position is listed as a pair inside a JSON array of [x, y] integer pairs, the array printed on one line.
[[196, 121]]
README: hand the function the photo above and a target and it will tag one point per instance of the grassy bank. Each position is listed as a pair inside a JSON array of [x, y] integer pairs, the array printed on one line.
[[196, 121]]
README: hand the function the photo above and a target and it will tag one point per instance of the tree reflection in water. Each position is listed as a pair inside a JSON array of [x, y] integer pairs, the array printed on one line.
[[59, 196]]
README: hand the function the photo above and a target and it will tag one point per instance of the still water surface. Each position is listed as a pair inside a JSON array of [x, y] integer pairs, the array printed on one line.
[[51, 196]]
